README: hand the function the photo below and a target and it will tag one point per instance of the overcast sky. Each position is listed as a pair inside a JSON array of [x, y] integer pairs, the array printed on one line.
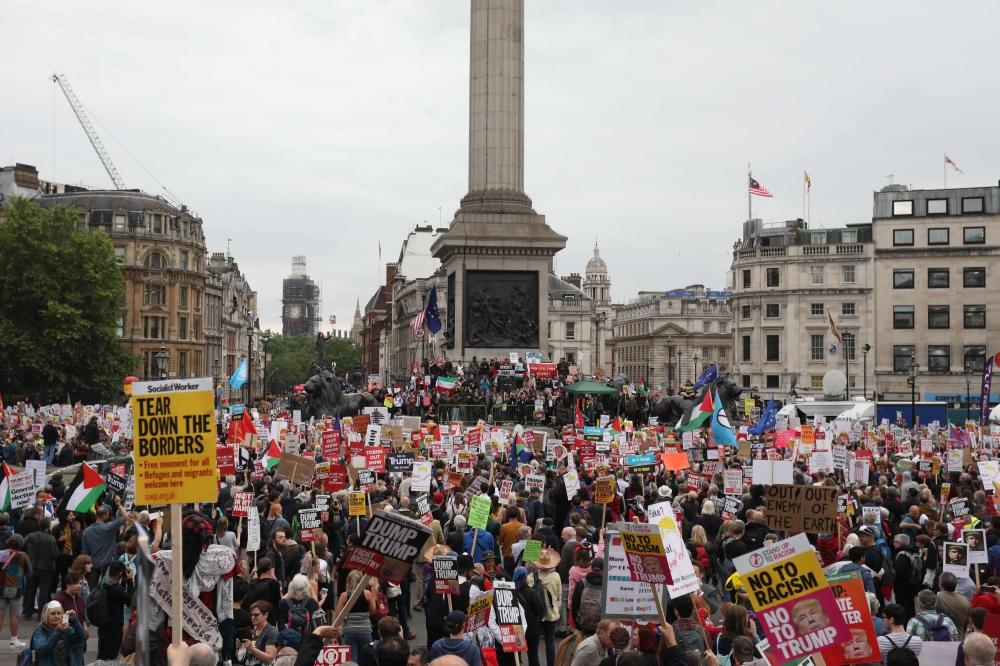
[[323, 127]]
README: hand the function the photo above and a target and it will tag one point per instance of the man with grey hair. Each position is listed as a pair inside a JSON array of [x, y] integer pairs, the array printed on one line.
[[909, 573], [979, 650], [568, 552], [523, 534], [201, 654], [951, 603], [927, 623]]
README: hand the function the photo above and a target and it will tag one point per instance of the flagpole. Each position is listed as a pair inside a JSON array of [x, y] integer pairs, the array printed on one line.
[[804, 216], [809, 203], [749, 198], [944, 171]]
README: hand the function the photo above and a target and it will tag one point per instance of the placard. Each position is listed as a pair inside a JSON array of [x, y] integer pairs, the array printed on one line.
[[399, 463], [732, 481], [297, 469], [479, 511], [242, 503], [253, 529], [849, 591], [330, 444], [310, 526], [811, 509], [534, 482], [445, 574], [956, 558], [366, 478], [796, 607], [375, 459], [225, 459], [508, 616], [644, 553], [116, 484], [333, 655], [388, 546], [604, 490], [572, 482], [532, 550], [625, 599], [478, 612], [22, 489], [357, 504], [174, 445], [422, 471], [976, 540]]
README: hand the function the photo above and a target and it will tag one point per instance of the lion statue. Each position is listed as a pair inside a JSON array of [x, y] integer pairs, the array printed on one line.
[[671, 408], [324, 397]]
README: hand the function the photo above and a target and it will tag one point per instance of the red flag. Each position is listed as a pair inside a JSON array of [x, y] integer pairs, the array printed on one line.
[[579, 418]]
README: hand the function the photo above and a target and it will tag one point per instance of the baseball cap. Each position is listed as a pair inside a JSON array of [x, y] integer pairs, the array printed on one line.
[[867, 531], [454, 620]]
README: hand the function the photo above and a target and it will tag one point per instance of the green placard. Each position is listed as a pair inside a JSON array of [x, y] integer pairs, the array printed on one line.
[[479, 511], [532, 549]]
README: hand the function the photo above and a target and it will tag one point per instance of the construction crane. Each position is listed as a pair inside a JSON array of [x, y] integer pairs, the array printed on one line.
[[95, 140]]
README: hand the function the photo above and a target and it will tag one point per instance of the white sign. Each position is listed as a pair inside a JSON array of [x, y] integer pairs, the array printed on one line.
[[572, 481], [199, 621], [253, 529], [733, 481], [37, 467], [422, 471], [623, 597], [771, 472], [22, 489], [678, 556], [373, 437]]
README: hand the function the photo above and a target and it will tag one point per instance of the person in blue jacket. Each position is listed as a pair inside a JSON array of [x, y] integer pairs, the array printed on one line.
[[58, 637]]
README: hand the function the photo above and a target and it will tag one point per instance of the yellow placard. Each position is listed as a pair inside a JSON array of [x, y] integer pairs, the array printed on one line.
[[356, 504], [787, 579], [604, 490], [174, 434]]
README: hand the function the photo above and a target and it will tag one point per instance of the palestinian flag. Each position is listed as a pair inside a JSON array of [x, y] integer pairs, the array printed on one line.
[[697, 413], [520, 452], [269, 459], [5, 473], [616, 425], [82, 493], [446, 384]]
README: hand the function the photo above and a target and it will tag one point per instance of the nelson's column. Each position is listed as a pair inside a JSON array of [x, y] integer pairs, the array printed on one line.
[[497, 251]]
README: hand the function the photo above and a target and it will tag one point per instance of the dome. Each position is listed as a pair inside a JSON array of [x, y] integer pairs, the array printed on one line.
[[596, 264]]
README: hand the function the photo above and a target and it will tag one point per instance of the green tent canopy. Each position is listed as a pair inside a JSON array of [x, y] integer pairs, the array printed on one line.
[[590, 388]]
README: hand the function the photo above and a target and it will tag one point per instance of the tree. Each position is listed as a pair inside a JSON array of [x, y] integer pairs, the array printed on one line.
[[293, 359], [60, 298]]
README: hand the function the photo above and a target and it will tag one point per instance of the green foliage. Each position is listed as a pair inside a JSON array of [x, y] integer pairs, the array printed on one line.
[[293, 359], [60, 297]]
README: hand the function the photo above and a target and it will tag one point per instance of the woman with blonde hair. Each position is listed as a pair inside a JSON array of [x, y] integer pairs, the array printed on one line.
[[298, 610], [56, 635], [356, 630]]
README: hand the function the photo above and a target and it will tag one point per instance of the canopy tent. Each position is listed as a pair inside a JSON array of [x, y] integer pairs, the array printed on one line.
[[830, 409], [590, 388], [859, 412]]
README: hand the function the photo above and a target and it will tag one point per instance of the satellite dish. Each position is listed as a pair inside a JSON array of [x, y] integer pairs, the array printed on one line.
[[834, 382]]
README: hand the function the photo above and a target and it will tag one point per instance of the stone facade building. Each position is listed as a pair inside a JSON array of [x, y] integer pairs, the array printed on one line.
[[241, 336], [574, 324], [788, 282], [597, 286], [667, 338], [937, 290]]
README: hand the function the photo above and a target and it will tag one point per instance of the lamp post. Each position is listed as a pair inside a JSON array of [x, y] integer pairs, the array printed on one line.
[[162, 359], [847, 366], [694, 378], [864, 355], [912, 381], [216, 366], [670, 365], [266, 337], [968, 398], [250, 332]]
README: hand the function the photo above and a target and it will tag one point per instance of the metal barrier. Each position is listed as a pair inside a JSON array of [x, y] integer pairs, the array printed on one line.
[[499, 414]]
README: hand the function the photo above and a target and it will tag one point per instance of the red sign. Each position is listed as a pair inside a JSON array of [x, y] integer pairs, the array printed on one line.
[[586, 450], [375, 459], [330, 444], [337, 479], [542, 370], [333, 655], [474, 438], [529, 438], [355, 447], [241, 504], [361, 423]]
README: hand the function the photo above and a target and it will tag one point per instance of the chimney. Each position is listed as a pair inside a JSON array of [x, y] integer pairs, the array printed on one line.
[[390, 272], [574, 279]]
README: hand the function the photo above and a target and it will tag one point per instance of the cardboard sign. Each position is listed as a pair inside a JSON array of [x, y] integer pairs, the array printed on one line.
[[225, 457], [732, 481], [174, 446], [479, 511], [116, 484], [297, 469], [445, 575], [375, 459], [388, 546], [644, 553], [399, 463], [793, 600], [253, 530], [422, 471], [849, 591], [604, 490], [792, 509], [624, 599], [22, 489], [333, 655], [310, 525], [241, 504], [508, 616], [532, 550], [357, 504], [478, 612]]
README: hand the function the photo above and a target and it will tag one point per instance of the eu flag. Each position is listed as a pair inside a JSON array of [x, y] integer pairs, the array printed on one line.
[[433, 315]]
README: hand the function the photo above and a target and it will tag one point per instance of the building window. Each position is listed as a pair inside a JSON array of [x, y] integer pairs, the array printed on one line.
[[902, 316], [816, 310], [745, 381], [119, 223], [773, 310], [817, 347], [120, 255], [937, 278], [706, 327], [773, 277], [746, 347], [772, 381], [847, 273], [974, 358], [902, 208], [972, 204], [849, 346], [182, 364], [901, 357], [847, 309], [938, 358], [744, 312], [974, 235], [937, 206], [154, 294], [154, 260], [902, 237], [184, 297], [153, 328], [722, 326], [746, 278], [196, 332], [157, 223], [902, 278], [723, 353], [974, 277], [182, 328], [849, 236], [816, 274], [706, 353], [197, 299], [937, 236], [974, 316], [121, 326], [773, 348], [184, 259], [571, 330], [815, 381], [938, 316]]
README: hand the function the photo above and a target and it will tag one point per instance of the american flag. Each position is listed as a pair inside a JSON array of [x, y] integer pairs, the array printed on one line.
[[948, 161], [758, 189], [418, 323]]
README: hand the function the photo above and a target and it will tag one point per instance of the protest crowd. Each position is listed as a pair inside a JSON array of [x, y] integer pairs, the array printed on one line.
[[604, 541]]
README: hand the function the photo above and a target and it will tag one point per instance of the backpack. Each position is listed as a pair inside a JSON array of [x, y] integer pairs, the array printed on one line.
[[888, 571], [567, 649], [590, 611], [701, 555], [536, 593], [900, 655], [299, 617], [381, 607], [27, 656], [13, 575], [936, 631], [691, 640], [97, 607], [916, 577]]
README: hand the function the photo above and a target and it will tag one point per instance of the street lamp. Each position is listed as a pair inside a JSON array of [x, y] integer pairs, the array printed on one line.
[[912, 381], [968, 398], [695, 367], [864, 380], [670, 365], [266, 337], [250, 331], [216, 367], [162, 359]]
